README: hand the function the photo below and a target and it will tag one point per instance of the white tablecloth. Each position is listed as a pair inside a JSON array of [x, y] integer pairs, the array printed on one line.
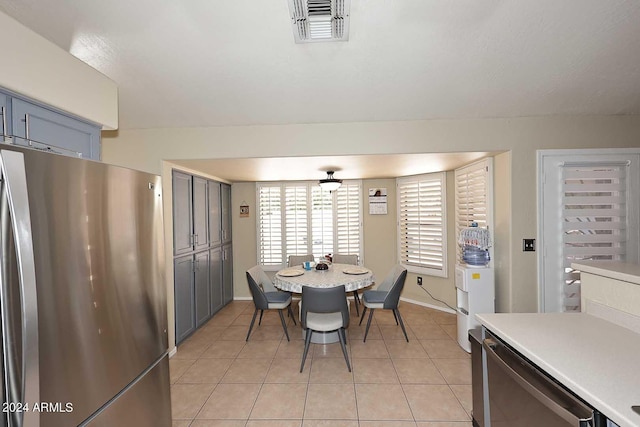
[[335, 276]]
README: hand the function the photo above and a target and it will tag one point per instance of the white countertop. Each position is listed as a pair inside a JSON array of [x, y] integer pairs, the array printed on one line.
[[625, 271], [597, 360]]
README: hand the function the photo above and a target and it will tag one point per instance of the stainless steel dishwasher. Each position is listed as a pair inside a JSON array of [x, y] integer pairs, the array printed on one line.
[[520, 394]]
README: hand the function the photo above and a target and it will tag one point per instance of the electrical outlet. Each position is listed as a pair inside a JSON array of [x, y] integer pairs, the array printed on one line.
[[419, 281], [528, 245]]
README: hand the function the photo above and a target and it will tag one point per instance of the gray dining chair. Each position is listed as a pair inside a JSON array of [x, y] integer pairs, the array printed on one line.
[[296, 260], [324, 310], [386, 296], [351, 259], [267, 297]]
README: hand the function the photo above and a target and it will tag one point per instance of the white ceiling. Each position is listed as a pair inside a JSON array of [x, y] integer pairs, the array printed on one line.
[[213, 63]]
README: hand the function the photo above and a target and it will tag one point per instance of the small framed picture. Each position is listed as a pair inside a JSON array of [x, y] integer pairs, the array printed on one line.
[[244, 211]]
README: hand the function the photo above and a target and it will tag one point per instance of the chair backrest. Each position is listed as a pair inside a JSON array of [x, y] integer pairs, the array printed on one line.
[[261, 278], [345, 259], [324, 300], [399, 275], [259, 298], [295, 260]]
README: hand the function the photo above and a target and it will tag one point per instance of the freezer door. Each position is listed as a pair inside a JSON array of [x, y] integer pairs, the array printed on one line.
[[146, 403], [98, 250]]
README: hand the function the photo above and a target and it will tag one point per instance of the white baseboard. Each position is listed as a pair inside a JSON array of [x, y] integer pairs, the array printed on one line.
[[424, 304], [420, 303], [173, 352]]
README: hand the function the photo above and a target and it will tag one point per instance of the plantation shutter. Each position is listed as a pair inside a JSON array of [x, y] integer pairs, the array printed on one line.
[[594, 218], [349, 219], [474, 197], [296, 219], [270, 248], [589, 211], [300, 219], [421, 223], [322, 222]]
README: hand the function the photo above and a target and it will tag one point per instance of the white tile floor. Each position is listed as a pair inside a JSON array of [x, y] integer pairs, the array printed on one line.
[[218, 379]]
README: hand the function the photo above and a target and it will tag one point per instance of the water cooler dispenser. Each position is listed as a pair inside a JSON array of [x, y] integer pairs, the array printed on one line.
[[475, 284], [475, 294]]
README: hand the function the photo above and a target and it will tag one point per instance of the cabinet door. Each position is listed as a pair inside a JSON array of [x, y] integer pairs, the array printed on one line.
[[182, 225], [4, 111], [215, 279], [200, 214], [225, 199], [201, 285], [215, 212], [227, 274], [183, 296], [42, 128]]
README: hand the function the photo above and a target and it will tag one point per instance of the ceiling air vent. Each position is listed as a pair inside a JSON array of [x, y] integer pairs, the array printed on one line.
[[320, 20]]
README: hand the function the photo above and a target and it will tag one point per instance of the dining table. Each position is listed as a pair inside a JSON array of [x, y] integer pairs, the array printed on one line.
[[353, 277]]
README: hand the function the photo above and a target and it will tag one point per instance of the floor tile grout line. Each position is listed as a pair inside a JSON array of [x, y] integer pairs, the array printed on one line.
[[386, 343]]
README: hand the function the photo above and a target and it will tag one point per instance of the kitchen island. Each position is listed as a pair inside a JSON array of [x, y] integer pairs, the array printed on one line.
[[592, 357], [595, 353], [607, 287]]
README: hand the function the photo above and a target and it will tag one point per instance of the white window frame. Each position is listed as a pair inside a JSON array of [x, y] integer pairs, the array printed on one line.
[[551, 274], [474, 186], [310, 186], [403, 257]]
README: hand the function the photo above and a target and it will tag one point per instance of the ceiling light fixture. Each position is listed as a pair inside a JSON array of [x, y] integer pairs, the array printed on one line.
[[320, 20], [330, 183]]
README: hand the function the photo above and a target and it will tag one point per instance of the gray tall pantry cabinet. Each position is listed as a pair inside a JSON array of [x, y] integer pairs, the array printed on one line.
[[203, 266]]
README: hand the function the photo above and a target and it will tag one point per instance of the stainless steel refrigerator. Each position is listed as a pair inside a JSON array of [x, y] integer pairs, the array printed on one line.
[[83, 298]]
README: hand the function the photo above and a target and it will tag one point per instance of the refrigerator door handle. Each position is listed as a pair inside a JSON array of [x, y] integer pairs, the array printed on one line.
[[14, 175]]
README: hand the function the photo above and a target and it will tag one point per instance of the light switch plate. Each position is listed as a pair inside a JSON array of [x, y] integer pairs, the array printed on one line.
[[528, 245]]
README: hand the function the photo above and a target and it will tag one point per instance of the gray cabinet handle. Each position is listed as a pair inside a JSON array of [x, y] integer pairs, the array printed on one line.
[[4, 121], [26, 128]]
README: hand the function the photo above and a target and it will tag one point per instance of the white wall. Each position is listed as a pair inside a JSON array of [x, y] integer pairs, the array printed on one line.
[[36, 68], [145, 149]]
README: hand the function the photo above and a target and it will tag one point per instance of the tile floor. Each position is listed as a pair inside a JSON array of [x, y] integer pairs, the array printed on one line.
[[220, 380]]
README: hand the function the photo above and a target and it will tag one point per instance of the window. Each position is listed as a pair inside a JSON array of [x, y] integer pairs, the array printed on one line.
[[589, 213], [299, 218], [422, 233], [474, 197]]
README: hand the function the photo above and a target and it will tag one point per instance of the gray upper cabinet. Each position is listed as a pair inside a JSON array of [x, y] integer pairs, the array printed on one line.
[[200, 214], [45, 129], [182, 214], [215, 214], [190, 213], [225, 203]]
